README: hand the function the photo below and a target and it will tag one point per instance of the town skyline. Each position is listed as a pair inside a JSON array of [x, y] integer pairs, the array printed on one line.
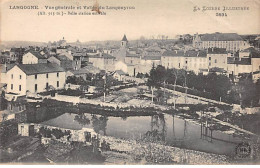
[[129, 39], [147, 19]]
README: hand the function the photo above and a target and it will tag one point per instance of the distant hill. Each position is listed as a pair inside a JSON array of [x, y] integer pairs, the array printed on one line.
[[9, 44]]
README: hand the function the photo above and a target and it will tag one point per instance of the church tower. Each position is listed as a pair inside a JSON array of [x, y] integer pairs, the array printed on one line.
[[124, 42]]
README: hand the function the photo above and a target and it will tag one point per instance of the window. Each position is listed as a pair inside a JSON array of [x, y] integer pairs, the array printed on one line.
[[20, 76], [58, 84], [35, 76], [47, 75], [215, 60], [58, 74], [20, 87], [209, 58], [12, 76], [12, 86], [35, 87]]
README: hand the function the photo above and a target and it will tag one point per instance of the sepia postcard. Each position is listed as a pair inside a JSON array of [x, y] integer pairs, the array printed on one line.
[[130, 82]]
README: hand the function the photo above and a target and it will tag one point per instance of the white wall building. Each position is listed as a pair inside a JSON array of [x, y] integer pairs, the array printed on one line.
[[34, 78], [229, 41], [217, 58], [190, 60], [33, 57]]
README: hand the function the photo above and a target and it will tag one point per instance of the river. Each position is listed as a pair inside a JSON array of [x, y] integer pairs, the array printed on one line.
[[175, 131]]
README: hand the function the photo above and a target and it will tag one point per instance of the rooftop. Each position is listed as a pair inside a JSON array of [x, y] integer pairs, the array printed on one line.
[[173, 53], [152, 57], [242, 61], [31, 69], [103, 55], [6, 67], [189, 53], [37, 54], [120, 72], [124, 38], [221, 37], [217, 51]]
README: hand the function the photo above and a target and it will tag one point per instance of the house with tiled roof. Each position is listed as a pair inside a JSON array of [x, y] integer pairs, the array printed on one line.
[[229, 41], [34, 78], [33, 57]]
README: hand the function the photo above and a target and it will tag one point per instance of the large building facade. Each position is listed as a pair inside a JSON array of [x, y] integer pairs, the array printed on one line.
[[229, 41], [189, 60]]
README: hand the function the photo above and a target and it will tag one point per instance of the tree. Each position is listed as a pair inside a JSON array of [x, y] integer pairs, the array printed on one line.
[[105, 84], [153, 80], [99, 123], [246, 90]]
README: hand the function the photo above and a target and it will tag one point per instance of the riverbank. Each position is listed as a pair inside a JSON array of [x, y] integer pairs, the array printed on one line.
[[191, 114], [141, 152]]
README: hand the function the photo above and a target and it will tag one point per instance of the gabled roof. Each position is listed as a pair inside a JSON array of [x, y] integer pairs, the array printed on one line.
[[124, 38], [221, 37], [37, 54], [31, 69]]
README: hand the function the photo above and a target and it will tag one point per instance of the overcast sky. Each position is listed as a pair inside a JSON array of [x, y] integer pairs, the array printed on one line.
[[150, 17]]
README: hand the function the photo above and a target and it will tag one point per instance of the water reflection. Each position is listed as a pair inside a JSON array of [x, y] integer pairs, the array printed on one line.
[[82, 119], [158, 129], [182, 133], [99, 123]]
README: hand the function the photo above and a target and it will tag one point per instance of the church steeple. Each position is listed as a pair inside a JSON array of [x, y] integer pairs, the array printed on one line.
[[124, 42]]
